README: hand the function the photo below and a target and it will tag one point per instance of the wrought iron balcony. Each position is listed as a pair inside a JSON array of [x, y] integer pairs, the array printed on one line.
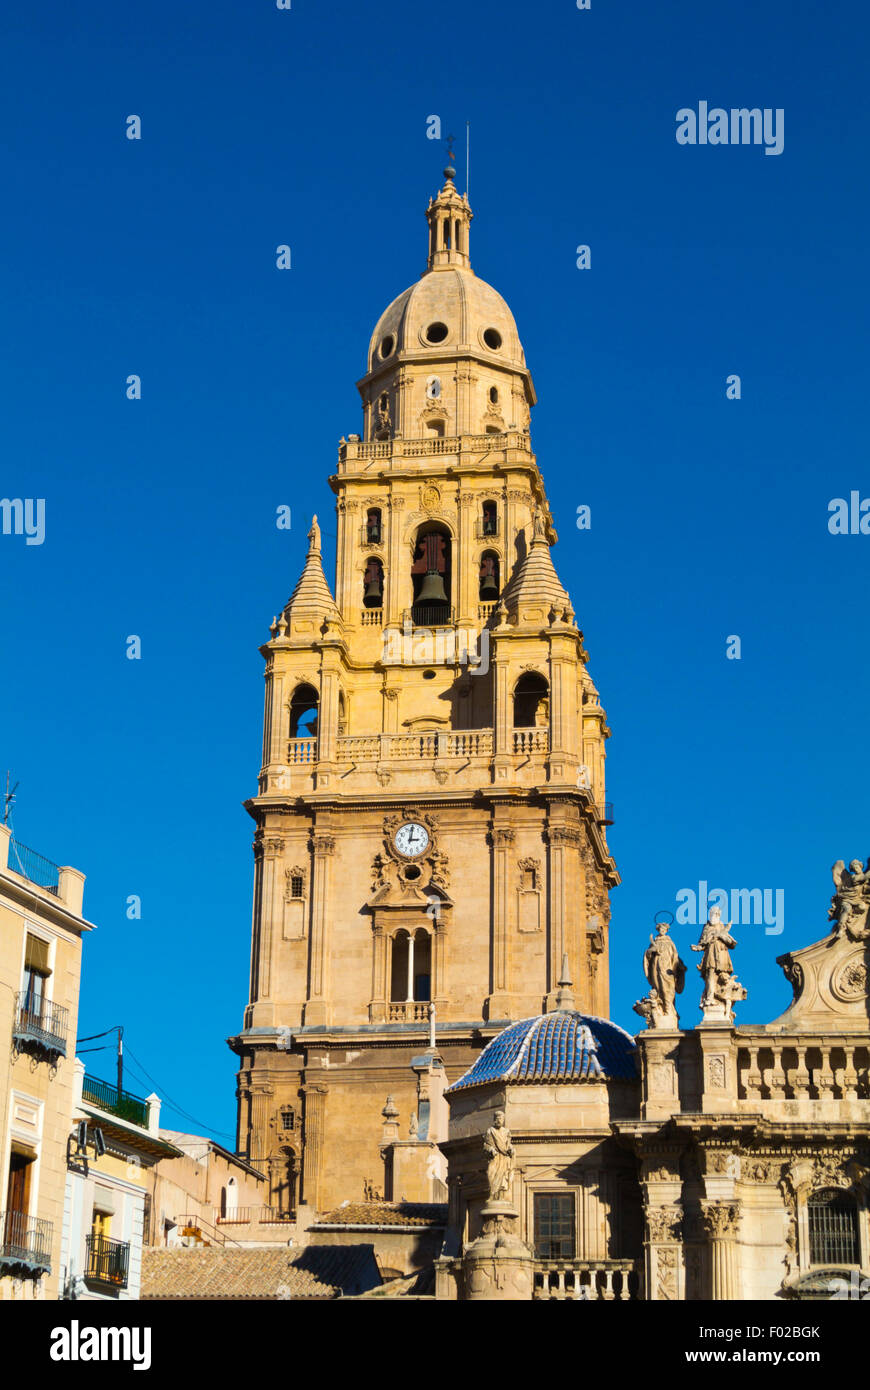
[[40, 1027], [604, 813], [115, 1102], [34, 866], [25, 1244], [108, 1261]]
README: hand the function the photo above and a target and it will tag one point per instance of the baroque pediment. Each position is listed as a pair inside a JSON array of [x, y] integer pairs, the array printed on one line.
[[831, 983]]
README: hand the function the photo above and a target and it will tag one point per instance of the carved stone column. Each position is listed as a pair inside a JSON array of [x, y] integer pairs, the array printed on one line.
[[563, 908], [662, 1252], [467, 598], [378, 1005], [720, 1223], [312, 1153], [498, 1003], [317, 1007], [398, 564]]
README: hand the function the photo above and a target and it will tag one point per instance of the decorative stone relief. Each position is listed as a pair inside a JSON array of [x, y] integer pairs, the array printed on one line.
[[720, 1219]]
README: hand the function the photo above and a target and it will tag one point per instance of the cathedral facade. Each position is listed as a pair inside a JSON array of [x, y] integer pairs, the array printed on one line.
[[431, 813]]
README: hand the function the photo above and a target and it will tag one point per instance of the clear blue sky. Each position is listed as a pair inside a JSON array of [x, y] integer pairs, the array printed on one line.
[[709, 517]]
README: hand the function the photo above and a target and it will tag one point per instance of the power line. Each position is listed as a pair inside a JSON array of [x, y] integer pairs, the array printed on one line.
[[173, 1105]]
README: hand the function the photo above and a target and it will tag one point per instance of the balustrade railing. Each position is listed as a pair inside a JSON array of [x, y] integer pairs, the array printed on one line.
[[586, 1281], [121, 1103], [34, 866], [792, 1069], [531, 740], [108, 1261], [407, 1011], [301, 750]]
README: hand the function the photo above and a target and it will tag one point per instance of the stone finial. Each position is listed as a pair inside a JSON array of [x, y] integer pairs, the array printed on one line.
[[390, 1113], [565, 993]]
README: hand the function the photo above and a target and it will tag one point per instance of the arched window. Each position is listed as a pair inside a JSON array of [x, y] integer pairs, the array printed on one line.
[[303, 712], [833, 1221], [531, 701], [430, 573], [411, 970], [373, 584], [435, 428], [493, 394], [373, 526], [433, 388], [489, 586], [490, 518]]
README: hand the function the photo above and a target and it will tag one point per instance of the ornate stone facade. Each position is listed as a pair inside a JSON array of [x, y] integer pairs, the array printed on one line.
[[442, 685]]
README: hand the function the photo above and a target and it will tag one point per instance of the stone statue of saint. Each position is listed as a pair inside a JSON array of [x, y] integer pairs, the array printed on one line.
[[851, 902], [314, 534], [717, 970], [667, 975], [498, 1144]]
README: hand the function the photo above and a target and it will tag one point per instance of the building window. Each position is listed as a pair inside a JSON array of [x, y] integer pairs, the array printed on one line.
[[373, 526], [490, 519], [833, 1223], [433, 388], [297, 885], [411, 971], [488, 584], [303, 712], [554, 1225], [288, 1119], [493, 394], [531, 702], [36, 972]]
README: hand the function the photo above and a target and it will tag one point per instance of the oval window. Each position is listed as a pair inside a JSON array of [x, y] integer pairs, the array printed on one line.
[[387, 345], [492, 338], [437, 332]]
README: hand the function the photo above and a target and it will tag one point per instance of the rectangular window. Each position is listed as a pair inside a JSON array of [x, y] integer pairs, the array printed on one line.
[[296, 886], [554, 1225]]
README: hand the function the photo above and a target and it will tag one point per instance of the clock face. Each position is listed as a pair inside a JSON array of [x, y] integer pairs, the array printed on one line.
[[411, 839]]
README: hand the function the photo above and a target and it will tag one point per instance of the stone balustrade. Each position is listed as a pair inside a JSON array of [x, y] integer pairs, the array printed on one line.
[[586, 1280], [782, 1068], [407, 1011]]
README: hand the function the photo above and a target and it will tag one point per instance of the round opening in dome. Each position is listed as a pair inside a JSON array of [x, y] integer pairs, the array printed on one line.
[[492, 338], [387, 345], [437, 332], [428, 675]]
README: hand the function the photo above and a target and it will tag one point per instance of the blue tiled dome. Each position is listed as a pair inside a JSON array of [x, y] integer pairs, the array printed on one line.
[[561, 1046]]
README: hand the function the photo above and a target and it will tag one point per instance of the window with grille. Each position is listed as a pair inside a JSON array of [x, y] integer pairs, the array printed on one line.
[[296, 885], [288, 1119], [554, 1226], [833, 1222]]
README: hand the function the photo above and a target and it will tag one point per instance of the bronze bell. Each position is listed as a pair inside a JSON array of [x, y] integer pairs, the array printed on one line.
[[373, 592], [488, 588], [432, 589]]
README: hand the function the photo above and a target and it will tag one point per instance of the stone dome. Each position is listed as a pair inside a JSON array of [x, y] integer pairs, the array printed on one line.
[[476, 317], [559, 1046]]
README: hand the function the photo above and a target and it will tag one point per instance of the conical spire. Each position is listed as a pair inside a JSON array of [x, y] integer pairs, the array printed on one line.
[[565, 995], [535, 582], [312, 596]]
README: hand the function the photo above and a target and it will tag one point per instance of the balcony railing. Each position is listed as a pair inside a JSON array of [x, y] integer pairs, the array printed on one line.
[[422, 448], [531, 740], [121, 1103], [604, 813], [433, 615], [25, 1244], [34, 866], [586, 1280], [407, 1012], [302, 750], [108, 1261], [39, 1026]]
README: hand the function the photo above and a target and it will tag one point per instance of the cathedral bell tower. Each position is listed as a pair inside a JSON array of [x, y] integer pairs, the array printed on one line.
[[431, 805]]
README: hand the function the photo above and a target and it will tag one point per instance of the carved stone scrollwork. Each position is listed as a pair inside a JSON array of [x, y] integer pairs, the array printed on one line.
[[502, 836], [720, 1219], [323, 845], [564, 835], [663, 1224]]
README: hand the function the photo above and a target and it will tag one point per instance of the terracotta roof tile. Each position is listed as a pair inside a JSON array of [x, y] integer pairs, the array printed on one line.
[[385, 1214], [215, 1272]]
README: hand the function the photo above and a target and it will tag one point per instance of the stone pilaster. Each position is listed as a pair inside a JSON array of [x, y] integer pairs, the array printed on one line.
[[312, 1156], [317, 1007], [498, 1003], [663, 1265]]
